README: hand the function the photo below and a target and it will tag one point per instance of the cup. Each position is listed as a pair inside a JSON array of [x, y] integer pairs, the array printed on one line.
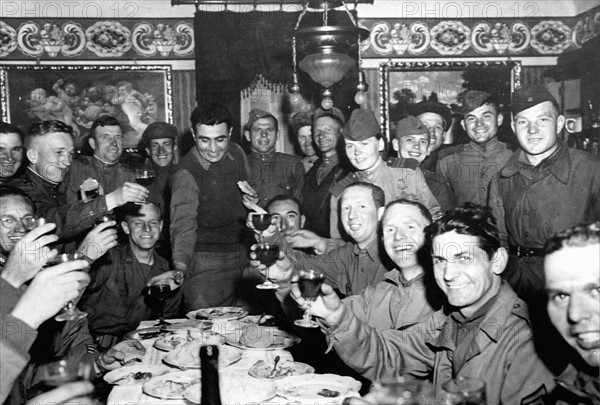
[[464, 391]]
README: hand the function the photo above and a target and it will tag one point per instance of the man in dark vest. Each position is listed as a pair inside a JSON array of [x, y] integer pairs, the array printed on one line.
[[207, 211]]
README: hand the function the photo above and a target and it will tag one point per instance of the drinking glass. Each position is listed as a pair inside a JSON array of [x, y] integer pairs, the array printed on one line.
[[399, 391], [69, 312], [64, 370], [88, 195], [267, 254], [104, 218], [160, 291], [261, 222], [145, 177], [32, 222], [463, 391], [309, 282]]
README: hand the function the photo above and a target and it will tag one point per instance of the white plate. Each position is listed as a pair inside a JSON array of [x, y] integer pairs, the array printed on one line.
[[189, 325], [170, 342], [172, 385], [220, 313], [237, 390], [317, 387], [125, 375], [260, 369], [188, 355], [279, 339]]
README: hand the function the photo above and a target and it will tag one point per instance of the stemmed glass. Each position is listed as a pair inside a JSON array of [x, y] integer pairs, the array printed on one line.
[[160, 291], [261, 222], [267, 254], [145, 177], [67, 370], [309, 282], [69, 312], [32, 222]]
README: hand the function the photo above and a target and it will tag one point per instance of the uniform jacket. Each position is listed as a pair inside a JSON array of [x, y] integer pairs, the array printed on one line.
[[468, 170], [501, 352], [576, 388], [117, 298], [110, 176], [395, 182], [275, 173]]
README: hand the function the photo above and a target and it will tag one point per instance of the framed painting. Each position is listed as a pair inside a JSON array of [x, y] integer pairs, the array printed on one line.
[[404, 83], [77, 95]]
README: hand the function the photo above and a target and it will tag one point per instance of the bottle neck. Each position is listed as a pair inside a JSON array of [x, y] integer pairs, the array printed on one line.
[[209, 364]]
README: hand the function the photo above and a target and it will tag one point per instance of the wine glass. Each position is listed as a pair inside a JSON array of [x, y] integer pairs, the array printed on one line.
[[160, 291], [145, 177], [32, 222], [69, 312], [261, 222], [309, 282], [463, 390], [104, 218], [67, 370], [267, 254]]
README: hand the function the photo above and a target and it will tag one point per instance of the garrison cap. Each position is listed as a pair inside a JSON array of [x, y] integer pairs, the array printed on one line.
[[257, 114], [361, 125], [410, 126], [473, 99], [529, 96]]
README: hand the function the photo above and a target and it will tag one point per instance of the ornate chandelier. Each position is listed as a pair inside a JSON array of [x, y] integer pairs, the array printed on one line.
[[326, 51]]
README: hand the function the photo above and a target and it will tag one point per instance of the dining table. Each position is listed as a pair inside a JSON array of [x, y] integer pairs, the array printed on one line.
[[237, 375]]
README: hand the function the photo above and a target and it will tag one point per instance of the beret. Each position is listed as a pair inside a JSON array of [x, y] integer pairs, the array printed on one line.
[[432, 107], [361, 125]]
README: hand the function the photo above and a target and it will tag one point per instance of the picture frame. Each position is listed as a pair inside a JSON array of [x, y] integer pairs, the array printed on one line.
[[136, 95], [402, 83]]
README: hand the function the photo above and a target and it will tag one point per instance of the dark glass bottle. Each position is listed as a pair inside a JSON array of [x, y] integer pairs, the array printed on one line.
[[209, 364]]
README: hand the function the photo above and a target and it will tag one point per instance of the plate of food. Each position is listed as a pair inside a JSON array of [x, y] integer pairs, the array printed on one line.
[[145, 333], [187, 355], [172, 385], [255, 337], [236, 389], [270, 371], [317, 387], [135, 375], [168, 343], [218, 313], [189, 324]]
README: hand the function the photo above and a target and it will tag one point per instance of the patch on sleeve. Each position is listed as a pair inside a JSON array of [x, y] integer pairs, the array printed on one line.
[[536, 397]]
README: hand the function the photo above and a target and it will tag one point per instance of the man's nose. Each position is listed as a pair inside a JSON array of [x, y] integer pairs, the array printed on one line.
[[532, 128], [399, 235], [578, 309], [161, 149], [20, 226], [146, 228]]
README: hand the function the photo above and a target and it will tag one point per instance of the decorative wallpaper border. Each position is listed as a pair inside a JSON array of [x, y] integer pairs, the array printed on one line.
[[85, 39], [437, 38]]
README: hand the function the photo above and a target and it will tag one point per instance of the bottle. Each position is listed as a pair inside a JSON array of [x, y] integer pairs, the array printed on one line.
[[209, 364]]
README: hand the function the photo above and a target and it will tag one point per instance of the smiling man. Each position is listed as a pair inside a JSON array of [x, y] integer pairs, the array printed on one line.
[[482, 332], [543, 188], [271, 173], [572, 270], [468, 169], [11, 151], [106, 140], [207, 214], [363, 142]]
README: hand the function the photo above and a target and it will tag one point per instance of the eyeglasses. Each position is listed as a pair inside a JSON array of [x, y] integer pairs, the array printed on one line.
[[9, 222]]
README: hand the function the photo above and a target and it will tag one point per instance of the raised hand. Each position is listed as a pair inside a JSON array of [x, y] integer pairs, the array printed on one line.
[[99, 240], [280, 273], [119, 354], [327, 305], [128, 192]]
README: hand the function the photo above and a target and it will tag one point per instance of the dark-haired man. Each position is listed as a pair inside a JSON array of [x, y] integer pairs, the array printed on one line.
[[483, 332], [302, 128], [271, 173], [571, 268], [468, 169], [117, 299], [50, 150], [207, 211], [11, 151], [543, 188], [287, 212], [103, 169]]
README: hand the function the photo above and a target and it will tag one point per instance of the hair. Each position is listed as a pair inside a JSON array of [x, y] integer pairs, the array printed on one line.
[[490, 101], [376, 192], [470, 219], [403, 201], [6, 128], [283, 197], [333, 117], [104, 121], [42, 128], [213, 114], [578, 236], [129, 210], [10, 191]]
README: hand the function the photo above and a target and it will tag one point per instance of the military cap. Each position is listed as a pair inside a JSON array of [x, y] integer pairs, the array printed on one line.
[[257, 114], [361, 125], [530, 96], [410, 126], [301, 119], [335, 112], [432, 107], [159, 130], [473, 99]]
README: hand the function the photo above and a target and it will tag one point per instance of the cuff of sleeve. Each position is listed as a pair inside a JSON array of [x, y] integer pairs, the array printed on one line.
[[332, 329], [18, 334]]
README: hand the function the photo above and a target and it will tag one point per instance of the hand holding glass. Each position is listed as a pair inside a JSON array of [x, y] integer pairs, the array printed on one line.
[[70, 312], [267, 254], [309, 282], [145, 177], [261, 222]]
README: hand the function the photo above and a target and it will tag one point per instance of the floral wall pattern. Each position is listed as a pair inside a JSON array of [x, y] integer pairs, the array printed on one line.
[[87, 39]]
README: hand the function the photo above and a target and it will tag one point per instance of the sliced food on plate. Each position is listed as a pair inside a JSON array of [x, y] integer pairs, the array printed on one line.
[[172, 385], [189, 324], [236, 390], [312, 387], [262, 369], [187, 355], [135, 375], [252, 336], [218, 313], [168, 343]]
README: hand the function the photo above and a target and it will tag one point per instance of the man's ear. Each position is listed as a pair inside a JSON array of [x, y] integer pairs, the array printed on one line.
[[125, 227], [302, 221], [380, 213], [499, 260], [246, 135], [160, 226], [92, 143], [500, 119], [560, 123], [381, 144], [148, 151], [395, 145], [32, 155], [230, 132], [462, 124]]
